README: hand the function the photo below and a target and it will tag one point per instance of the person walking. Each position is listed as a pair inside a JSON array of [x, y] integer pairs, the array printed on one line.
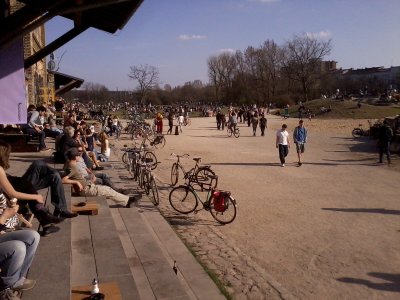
[[300, 138], [171, 118], [282, 143], [385, 135], [263, 124], [254, 122]]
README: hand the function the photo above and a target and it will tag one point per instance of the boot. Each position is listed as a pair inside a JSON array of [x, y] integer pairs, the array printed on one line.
[[45, 218]]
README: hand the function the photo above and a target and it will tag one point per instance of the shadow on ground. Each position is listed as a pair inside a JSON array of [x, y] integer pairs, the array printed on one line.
[[366, 210], [392, 283]]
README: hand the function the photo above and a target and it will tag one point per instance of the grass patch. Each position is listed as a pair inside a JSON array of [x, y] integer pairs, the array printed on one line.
[[346, 110]]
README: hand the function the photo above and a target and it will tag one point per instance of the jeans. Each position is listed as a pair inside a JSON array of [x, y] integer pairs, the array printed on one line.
[[17, 250], [104, 179], [41, 135], [42, 176], [283, 152], [102, 190]]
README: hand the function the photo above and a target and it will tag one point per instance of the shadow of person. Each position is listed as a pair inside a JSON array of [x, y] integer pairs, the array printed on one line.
[[392, 283]]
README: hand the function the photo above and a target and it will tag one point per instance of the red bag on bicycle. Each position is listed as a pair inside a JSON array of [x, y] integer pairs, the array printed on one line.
[[220, 201]]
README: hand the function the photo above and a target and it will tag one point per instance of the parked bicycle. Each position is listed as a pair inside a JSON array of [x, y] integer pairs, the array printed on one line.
[[133, 155], [360, 131], [199, 174], [221, 204], [147, 181]]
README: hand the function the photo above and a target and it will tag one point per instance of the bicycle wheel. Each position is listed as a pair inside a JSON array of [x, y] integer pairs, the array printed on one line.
[[236, 133], [174, 174], [146, 182], [228, 215], [229, 132], [203, 177], [125, 158], [151, 159], [160, 143], [183, 199], [154, 191], [356, 132]]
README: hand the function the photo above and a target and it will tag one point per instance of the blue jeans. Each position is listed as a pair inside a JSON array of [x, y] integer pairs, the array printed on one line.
[[17, 250], [42, 176]]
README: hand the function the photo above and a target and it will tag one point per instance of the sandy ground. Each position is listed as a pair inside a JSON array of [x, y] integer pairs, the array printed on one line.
[[326, 230]]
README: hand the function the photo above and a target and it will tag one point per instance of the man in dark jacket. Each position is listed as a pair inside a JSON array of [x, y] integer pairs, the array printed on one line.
[[385, 136]]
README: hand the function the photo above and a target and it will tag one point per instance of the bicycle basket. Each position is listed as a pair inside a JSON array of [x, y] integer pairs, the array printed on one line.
[[221, 200]]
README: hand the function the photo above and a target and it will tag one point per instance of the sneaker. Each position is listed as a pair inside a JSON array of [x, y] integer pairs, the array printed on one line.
[[27, 285], [282, 165], [9, 294], [299, 164]]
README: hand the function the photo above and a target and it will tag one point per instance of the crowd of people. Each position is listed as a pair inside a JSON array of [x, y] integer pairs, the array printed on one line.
[[81, 148]]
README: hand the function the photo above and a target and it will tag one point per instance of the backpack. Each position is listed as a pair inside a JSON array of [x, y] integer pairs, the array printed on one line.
[[388, 133], [385, 134]]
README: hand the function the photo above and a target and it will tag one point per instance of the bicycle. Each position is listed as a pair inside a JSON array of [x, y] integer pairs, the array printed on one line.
[[148, 182], [132, 155], [221, 204], [359, 132], [199, 175], [235, 131]]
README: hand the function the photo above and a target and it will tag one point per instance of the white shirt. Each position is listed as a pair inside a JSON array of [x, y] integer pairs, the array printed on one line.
[[282, 137], [180, 119]]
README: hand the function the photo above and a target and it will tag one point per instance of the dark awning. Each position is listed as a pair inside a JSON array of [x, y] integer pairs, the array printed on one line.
[[106, 15], [64, 83]]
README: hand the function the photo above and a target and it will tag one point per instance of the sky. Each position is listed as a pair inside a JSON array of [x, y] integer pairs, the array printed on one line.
[[178, 36]]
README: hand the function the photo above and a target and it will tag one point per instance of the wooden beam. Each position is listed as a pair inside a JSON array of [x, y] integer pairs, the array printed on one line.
[[66, 37]]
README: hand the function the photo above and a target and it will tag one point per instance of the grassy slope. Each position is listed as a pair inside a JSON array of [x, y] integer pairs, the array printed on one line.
[[346, 110]]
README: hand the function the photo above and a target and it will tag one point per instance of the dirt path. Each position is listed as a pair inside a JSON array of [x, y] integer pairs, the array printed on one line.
[[326, 230]]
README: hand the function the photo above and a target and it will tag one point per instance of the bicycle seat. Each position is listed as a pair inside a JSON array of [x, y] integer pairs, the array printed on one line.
[[206, 166], [197, 159]]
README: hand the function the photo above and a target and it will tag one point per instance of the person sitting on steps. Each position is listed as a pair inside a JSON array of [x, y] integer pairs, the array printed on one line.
[[86, 187]]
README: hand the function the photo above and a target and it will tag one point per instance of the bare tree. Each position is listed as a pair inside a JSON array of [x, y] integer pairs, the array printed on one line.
[[147, 77], [221, 71], [303, 56], [272, 56]]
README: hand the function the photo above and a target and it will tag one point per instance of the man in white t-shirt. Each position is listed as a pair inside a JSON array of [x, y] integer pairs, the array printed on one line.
[[282, 143]]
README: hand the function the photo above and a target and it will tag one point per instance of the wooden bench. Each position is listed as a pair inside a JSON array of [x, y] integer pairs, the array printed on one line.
[[20, 142]]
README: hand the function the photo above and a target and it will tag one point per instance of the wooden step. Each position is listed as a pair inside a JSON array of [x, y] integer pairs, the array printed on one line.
[[97, 252]]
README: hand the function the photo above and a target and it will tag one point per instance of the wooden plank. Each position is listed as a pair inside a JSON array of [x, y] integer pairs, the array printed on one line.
[[110, 290], [83, 265], [52, 263], [111, 261], [164, 282], [90, 208]]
